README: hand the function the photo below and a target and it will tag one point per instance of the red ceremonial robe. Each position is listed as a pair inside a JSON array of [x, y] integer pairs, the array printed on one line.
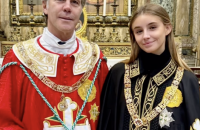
[[22, 108]]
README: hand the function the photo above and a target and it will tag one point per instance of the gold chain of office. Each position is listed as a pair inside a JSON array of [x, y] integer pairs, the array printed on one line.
[[159, 108]]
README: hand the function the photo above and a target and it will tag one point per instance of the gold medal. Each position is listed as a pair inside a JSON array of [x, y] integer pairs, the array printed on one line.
[[176, 100], [83, 91]]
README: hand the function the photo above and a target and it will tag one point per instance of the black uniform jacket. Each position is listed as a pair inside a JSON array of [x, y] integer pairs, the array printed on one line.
[[113, 110]]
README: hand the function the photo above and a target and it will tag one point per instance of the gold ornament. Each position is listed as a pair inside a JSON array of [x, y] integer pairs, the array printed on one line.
[[176, 100], [94, 113], [83, 90], [62, 106]]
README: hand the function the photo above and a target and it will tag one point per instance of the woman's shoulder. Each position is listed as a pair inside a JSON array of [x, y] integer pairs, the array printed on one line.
[[118, 68], [189, 80], [189, 75]]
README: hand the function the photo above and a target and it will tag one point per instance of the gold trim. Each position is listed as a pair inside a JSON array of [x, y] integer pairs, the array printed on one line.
[[22, 52], [164, 74], [81, 33], [135, 70], [152, 114], [149, 101], [94, 112]]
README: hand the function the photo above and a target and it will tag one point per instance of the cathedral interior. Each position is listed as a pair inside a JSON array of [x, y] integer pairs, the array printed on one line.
[[107, 26]]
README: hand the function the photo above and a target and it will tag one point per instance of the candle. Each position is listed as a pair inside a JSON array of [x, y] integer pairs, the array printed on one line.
[[129, 7], [104, 8], [17, 7]]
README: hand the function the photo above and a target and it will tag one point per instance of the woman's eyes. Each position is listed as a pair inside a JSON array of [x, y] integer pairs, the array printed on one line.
[[153, 27], [141, 30], [138, 31]]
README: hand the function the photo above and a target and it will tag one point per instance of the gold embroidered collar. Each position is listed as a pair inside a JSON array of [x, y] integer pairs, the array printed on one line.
[[47, 62], [132, 71], [160, 77], [22, 51]]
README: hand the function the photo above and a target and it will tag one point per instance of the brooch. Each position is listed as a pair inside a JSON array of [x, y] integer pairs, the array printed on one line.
[[165, 118], [196, 124]]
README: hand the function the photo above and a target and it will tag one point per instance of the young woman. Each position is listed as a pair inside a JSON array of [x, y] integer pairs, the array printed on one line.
[[154, 89]]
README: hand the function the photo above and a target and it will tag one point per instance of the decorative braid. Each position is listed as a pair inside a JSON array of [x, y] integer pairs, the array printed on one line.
[[6, 65], [45, 100], [105, 58], [88, 94], [42, 96]]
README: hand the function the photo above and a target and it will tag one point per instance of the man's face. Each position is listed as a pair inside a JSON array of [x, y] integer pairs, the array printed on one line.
[[63, 15]]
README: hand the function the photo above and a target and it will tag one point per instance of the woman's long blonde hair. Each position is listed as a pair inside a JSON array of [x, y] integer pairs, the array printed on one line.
[[159, 11]]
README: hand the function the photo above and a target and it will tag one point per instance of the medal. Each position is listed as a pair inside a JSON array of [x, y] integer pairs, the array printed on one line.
[[62, 106]]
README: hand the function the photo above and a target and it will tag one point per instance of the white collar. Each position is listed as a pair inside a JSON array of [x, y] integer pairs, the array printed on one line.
[[52, 40]]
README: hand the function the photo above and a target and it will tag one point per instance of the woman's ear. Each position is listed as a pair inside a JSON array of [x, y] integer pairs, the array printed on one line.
[[168, 29]]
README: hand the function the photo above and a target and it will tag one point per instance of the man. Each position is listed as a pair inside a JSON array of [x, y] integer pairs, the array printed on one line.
[[61, 79]]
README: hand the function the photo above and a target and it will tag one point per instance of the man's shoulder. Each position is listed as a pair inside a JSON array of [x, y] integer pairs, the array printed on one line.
[[10, 57], [94, 48]]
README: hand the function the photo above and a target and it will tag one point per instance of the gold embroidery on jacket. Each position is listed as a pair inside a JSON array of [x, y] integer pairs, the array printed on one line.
[[166, 73], [154, 82]]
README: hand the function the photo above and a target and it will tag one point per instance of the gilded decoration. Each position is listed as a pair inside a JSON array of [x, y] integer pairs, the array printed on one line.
[[117, 50], [148, 112], [5, 49], [94, 112], [177, 99], [26, 59], [135, 70], [163, 75], [186, 28], [83, 91], [149, 101], [82, 25], [84, 60], [46, 63], [68, 117]]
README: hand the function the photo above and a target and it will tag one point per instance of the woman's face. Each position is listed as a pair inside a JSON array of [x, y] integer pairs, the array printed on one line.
[[150, 33]]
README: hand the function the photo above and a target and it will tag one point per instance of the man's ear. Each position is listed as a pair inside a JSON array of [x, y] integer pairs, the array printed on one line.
[[168, 29], [44, 5]]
